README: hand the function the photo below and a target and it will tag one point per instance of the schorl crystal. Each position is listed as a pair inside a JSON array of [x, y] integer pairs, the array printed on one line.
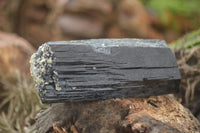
[[98, 69]]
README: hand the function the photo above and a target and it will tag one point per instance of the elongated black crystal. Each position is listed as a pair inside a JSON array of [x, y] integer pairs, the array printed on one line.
[[97, 69]]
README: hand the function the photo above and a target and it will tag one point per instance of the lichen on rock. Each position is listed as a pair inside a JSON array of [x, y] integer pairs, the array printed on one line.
[[42, 68]]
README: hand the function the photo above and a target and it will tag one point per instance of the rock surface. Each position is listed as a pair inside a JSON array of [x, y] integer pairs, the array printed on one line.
[[15, 53], [149, 115]]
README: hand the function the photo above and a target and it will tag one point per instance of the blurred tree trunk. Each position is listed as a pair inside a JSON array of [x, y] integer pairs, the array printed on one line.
[[47, 20]]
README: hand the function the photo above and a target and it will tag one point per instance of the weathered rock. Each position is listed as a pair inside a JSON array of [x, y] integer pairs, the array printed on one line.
[[15, 53], [145, 123], [149, 115]]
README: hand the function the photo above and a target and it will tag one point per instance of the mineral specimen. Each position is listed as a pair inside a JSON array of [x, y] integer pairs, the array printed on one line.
[[98, 69]]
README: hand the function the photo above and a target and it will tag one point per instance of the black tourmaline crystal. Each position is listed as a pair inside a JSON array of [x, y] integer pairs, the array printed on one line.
[[97, 69]]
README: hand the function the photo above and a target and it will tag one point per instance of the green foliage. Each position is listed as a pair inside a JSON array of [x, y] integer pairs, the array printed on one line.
[[19, 103], [168, 11], [188, 41], [178, 7]]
